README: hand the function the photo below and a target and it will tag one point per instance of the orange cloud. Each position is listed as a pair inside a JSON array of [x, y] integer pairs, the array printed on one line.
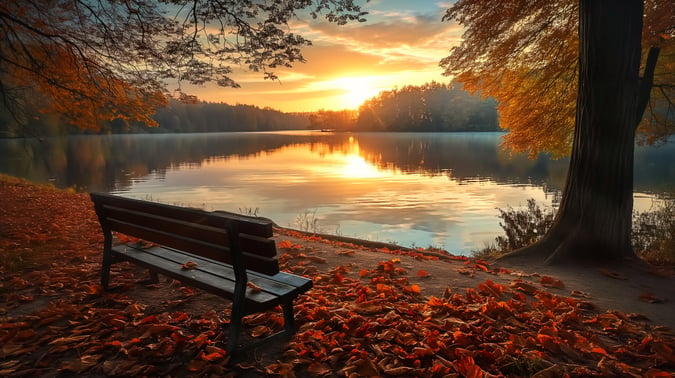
[[396, 47]]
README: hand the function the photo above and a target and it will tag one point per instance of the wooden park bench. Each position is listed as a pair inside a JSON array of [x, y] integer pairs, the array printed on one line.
[[226, 254]]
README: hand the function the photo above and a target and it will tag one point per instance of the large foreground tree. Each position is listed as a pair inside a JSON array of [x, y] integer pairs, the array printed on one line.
[[92, 61], [594, 218]]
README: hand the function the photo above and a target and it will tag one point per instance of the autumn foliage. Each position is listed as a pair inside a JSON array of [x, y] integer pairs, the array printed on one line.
[[370, 321], [525, 55]]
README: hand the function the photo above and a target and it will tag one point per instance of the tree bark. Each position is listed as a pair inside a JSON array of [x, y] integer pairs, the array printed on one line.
[[595, 214]]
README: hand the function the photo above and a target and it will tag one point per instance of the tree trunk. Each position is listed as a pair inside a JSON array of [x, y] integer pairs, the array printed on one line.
[[595, 214]]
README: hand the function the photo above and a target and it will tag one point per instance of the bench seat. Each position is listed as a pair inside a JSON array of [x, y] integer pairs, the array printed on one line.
[[215, 277]]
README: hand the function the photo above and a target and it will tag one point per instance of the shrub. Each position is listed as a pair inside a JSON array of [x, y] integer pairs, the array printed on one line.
[[523, 227], [654, 232], [652, 235]]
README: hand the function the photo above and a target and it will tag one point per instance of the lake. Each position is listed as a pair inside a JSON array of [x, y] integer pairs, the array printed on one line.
[[411, 189]]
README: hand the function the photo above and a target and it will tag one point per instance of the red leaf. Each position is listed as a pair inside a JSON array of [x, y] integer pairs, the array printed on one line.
[[284, 244], [551, 282], [189, 265], [283, 370], [468, 368], [412, 289], [253, 288], [260, 331], [650, 298], [655, 373]]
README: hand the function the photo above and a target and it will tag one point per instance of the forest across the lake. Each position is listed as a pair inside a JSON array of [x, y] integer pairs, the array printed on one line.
[[430, 107]]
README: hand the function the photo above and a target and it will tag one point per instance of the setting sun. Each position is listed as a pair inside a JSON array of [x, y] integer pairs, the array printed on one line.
[[356, 90]]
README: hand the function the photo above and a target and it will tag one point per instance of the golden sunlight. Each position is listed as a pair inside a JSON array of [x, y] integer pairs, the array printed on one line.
[[353, 165], [356, 90], [357, 167]]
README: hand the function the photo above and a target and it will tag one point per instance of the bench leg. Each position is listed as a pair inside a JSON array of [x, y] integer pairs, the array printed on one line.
[[289, 318], [105, 271], [235, 330], [236, 317]]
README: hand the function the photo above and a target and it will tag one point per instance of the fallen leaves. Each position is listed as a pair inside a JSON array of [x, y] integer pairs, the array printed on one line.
[[189, 265], [369, 320], [549, 281], [253, 288], [651, 298]]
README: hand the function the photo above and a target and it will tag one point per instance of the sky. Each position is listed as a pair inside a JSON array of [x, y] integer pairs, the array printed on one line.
[[401, 44]]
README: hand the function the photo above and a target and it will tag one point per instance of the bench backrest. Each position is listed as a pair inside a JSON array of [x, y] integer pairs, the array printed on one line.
[[191, 230]]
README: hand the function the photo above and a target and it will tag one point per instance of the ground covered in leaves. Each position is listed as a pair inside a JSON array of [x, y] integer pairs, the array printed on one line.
[[373, 311]]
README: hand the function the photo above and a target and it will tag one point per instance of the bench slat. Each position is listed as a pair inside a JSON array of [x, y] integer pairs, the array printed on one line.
[[246, 225], [216, 278], [171, 226], [249, 243], [279, 284], [267, 265]]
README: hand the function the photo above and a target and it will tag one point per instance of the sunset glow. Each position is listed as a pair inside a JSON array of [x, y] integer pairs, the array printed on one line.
[[400, 44], [357, 90], [357, 167]]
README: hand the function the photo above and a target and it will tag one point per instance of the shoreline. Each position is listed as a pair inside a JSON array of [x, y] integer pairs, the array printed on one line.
[[54, 312]]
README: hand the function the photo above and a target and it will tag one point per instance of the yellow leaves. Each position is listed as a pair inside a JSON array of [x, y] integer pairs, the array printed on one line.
[[68, 85]]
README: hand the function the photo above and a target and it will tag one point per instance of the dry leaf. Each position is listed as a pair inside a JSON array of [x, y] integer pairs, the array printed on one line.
[[189, 265]]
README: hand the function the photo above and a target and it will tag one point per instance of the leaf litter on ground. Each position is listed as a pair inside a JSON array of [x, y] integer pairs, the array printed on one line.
[[373, 321]]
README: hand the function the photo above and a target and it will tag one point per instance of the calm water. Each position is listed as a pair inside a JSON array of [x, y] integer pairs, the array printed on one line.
[[412, 189]]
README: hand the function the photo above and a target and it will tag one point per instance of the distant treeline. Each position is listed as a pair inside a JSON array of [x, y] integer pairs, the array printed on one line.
[[176, 117], [202, 117], [430, 107]]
